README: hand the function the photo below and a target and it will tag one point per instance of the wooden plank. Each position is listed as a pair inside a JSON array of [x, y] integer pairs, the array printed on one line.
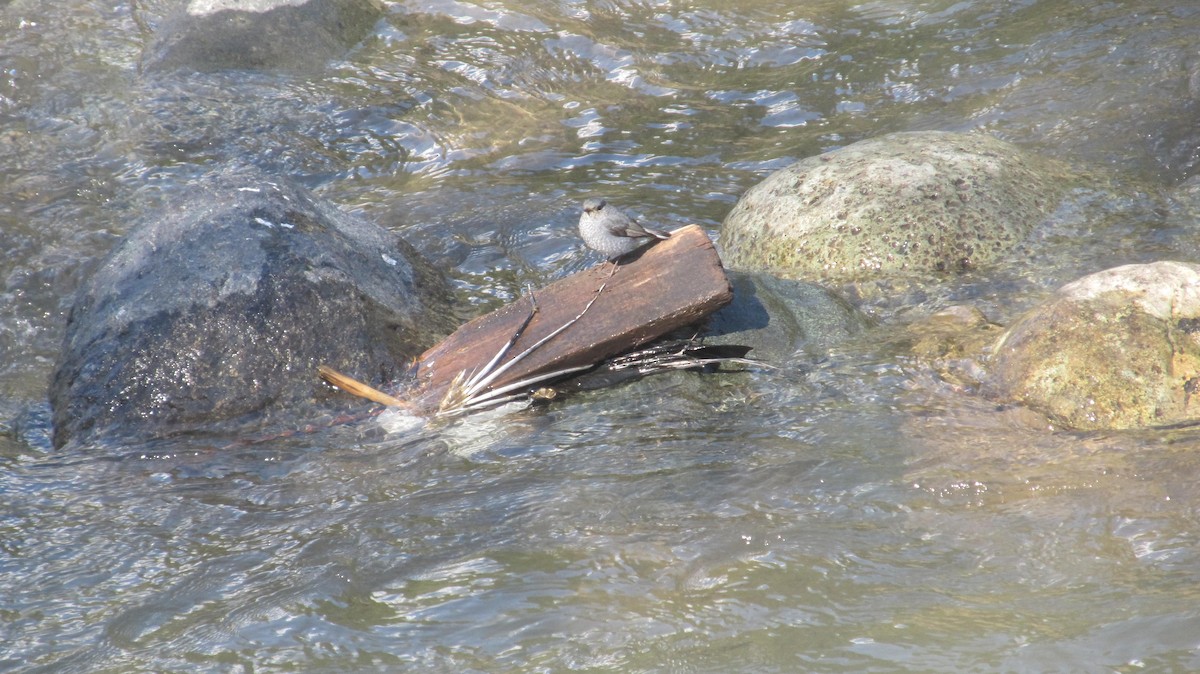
[[670, 285]]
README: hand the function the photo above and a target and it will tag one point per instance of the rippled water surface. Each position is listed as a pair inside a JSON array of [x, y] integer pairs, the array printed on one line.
[[847, 512]]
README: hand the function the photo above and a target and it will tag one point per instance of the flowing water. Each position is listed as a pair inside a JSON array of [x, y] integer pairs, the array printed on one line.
[[848, 512]]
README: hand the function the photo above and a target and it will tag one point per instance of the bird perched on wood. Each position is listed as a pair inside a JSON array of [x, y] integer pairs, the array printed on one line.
[[607, 230]]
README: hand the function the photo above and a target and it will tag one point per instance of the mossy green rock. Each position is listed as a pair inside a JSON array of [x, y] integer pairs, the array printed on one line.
[[920, 201], [1116, 349]]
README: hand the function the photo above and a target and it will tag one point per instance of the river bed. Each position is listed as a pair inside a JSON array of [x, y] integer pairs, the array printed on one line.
[[848, 511]]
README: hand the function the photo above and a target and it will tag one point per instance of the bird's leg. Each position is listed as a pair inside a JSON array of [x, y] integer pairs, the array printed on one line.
[[616, 263]]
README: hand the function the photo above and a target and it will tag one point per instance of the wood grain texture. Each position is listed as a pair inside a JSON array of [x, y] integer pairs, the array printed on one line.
[[667, 286]]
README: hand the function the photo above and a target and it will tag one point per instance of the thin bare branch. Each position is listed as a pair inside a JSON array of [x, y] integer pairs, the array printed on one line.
[[355, 387]]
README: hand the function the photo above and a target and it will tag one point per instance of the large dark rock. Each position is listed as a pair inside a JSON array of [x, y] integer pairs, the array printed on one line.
[[217, 313]]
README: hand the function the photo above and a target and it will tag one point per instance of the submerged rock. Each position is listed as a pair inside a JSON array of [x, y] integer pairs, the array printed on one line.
[[951, 342], [1115, 349], [221, 309], [779, 318], [209, 35], [923, 201]]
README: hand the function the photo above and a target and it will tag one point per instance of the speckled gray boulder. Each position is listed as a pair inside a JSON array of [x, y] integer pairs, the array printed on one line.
[[1115, 349], [922, 201]]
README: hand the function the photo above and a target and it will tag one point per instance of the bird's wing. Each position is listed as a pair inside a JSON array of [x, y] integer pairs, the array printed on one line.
[[626, 226], [636, 230]]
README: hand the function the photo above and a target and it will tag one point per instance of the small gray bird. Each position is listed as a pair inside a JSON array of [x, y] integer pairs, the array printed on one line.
[[607, 230]]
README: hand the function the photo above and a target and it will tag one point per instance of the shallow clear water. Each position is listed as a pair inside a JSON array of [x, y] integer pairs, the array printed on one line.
[[850, 513]]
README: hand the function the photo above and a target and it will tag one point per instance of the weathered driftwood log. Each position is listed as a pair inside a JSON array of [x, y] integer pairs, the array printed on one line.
[[668, 286]]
